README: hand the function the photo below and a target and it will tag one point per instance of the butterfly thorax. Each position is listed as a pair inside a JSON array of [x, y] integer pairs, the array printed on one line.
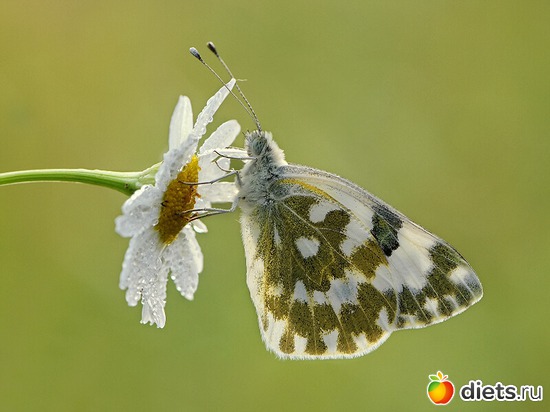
[[260, 172]]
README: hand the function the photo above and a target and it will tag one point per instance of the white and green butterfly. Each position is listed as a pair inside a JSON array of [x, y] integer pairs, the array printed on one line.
[[333, 270]]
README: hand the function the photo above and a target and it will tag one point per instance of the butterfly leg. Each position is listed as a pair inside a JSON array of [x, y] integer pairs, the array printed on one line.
[[221, 153], [209, 182]]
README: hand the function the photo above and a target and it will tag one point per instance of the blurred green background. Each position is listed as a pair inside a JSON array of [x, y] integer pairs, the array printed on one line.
[[441, 108]]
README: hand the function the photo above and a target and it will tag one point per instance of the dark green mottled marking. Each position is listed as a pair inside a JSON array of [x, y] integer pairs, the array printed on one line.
[[328, 263], [439, 286], [445, 258], [385, 225], [311, 320], [445, 261], [367, 257], [357, 319], [411, 304]]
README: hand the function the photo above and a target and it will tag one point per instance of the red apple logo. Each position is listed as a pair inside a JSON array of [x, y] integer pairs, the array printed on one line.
[[440, 390]]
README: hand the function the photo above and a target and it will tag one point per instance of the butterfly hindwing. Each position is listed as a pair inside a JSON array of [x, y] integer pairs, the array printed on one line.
[[307, 292], [333, 271]]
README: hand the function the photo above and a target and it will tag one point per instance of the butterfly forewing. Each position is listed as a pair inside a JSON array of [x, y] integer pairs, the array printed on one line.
[[432, 280], [333, 271]]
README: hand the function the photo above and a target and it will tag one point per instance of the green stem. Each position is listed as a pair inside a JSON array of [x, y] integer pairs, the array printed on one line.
[[125, 182]]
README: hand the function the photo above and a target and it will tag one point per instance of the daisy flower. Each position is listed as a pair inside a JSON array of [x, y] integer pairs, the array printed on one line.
[[157, 220]]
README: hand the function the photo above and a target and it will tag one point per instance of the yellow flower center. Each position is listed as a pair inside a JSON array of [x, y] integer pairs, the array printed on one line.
[[178, 200]]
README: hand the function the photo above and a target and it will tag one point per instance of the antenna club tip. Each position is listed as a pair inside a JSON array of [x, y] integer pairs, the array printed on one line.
[[212, 48], [195, 53]]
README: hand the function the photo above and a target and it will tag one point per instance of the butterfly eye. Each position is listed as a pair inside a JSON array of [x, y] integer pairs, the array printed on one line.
[[256, 143]]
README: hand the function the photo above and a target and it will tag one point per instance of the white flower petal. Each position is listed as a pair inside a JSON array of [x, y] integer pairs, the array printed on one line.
[[152, 312], [176, 157], [199, 226], [233, 152], [185, 259], [173, 162], [211, 107], [154, 299], [210, 170], [223, 136], [181, 123], [219, 192], [223, 163], [144, 277], [141, 263], [140, 211], [202, 203]]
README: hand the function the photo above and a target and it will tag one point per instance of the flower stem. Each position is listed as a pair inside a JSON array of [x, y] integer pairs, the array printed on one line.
[[125, 182]]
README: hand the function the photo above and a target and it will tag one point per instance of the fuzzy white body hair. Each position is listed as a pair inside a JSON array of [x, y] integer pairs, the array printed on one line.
[[257, 174]]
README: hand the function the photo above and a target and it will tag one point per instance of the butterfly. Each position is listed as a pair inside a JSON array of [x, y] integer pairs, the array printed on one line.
[[333, 270]]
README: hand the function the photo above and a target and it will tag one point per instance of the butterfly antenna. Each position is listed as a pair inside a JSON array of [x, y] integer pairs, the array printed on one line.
[[247, 107], [214, 50]]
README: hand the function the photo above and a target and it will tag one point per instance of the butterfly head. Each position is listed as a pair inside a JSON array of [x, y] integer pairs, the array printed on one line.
[[261, 146]]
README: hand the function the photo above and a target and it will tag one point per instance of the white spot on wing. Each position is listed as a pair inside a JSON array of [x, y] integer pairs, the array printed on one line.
[[276, 237], [275, 329], [319, 211], [410, 263], [308, 247], [465, 276], [275, 289], [383, 279], [361, 340], [356, 235], [451, 301], [300, 292], [460, 274], [343, 291], [415, 235], [331, 340], [431, 306], [383, 320], [300, 344], [410, 321], [356, 202], [319, 297]]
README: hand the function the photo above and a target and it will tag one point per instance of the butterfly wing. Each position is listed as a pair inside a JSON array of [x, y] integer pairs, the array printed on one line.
[[332, 270]]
